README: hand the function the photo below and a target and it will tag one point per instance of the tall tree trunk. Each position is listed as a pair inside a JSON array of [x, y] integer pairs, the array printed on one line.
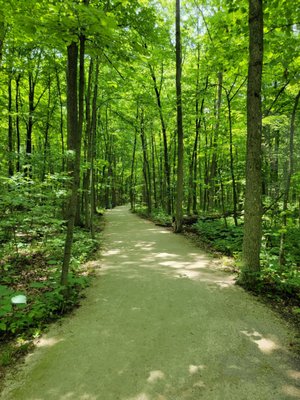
[[253, 191], [73, 142], [93, 149], [179, 185], [233, 181], [61, 124], [46, 141], [146, 166], [31, 92], [290, 171], [17, 99], [80, 109], [87, 149], [167, 179], [132, 174], [214, 159], [10, 129]]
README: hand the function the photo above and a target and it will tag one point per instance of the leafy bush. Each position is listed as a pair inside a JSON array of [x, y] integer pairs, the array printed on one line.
[[227, 240]]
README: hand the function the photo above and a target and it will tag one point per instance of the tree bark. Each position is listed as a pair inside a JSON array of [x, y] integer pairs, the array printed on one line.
[[179, 185], [17, 99], [165, 142], [253, 191], [73, 142], [10, 129], [288, 182]]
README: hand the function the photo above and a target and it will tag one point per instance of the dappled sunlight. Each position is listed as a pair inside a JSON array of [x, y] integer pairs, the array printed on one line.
[[193, 369], [265, 345], [294, 374], [199, 384], [155, 376], [140, 396], [111, 252], [291, 391], [47, 342], [165, 255], [74, 395], [173, 264]]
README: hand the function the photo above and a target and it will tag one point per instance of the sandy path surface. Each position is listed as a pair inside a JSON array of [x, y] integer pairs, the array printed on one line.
[[161, 322]]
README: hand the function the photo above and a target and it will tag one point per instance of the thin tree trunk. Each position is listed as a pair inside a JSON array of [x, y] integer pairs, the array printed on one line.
[[179, 185], [165, 142], [253, 190], [80, 109], [10, 129], [234, 192], [214, 160], [290, 171], [132, 175], [18, 121], [46, 141], [93, 150], [146, 167], [61, 124]]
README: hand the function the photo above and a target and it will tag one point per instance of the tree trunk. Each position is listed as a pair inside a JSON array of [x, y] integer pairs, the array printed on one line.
[[179, 185], [234, 191], [61, 124], [80, 110], [165, 142], [18, 121], [73, 142], [253, 190], [214, 160], [146, 166], [290, 171], [10, 129]]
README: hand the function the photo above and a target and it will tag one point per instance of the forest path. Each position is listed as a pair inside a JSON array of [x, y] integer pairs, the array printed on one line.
[[161, 322]]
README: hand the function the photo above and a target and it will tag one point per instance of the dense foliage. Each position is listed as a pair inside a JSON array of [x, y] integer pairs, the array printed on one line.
[[127, 117]]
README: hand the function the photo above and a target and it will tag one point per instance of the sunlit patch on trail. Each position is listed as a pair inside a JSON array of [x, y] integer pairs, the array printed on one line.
[[291, 391], [199, 384], [266, 346], [140, 396], [111, 252], [293, 374], [48, 342], [173, 264], [160, 231], [165, 255], [193, 369], [155, 376]]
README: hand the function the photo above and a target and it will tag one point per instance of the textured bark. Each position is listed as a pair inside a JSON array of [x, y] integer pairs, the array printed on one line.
[[73, 142], [167, 179], [17, 99], [253, 191], [290, 171], [214, 160], [179, 185], [10, 130]]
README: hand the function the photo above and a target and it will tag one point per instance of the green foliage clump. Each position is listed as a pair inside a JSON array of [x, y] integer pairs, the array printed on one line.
[[32, 235], [159, 216], [227, 240]]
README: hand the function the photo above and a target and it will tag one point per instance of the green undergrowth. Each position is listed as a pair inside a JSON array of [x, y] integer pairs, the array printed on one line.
[[157, 215], [32, 237]]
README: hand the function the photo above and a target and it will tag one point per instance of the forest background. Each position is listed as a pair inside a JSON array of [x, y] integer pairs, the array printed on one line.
[[89, 120]]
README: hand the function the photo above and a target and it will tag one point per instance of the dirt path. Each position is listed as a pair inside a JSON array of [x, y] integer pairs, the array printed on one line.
[[161, 323]]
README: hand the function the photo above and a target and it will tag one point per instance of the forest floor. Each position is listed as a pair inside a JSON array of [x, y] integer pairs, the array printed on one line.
[[161, 321]]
